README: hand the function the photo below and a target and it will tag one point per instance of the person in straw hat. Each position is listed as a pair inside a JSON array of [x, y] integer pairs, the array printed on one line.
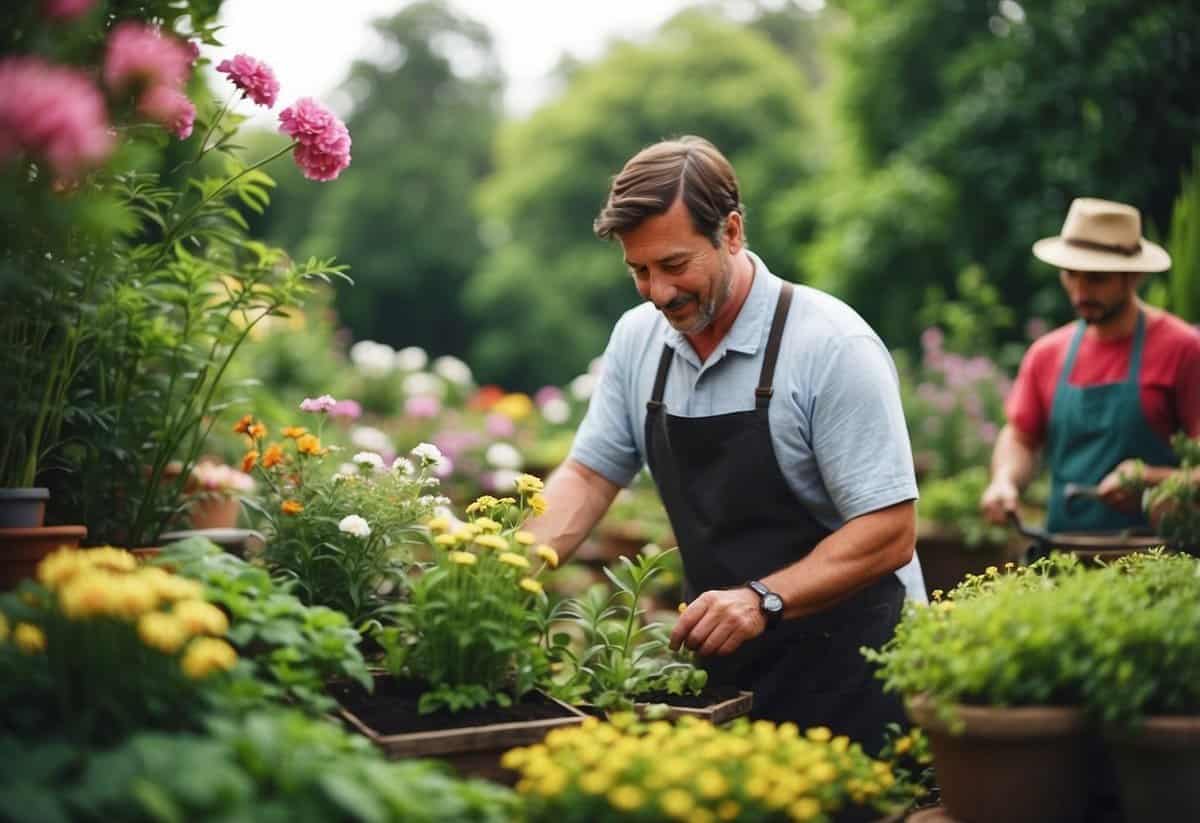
[[1101, 396]]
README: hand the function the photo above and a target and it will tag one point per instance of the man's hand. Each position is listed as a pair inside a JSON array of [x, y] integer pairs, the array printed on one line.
[[999, 498], [719, 621], [1122, 487]]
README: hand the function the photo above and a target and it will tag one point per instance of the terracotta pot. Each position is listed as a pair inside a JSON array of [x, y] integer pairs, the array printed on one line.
[[946, 559], [215, 512], [23, 508], [1157, 769], [1009, 764], [22, 549]]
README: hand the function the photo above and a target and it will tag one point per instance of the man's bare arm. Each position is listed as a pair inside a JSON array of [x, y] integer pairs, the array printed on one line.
[[1014, 464], [576, 499]]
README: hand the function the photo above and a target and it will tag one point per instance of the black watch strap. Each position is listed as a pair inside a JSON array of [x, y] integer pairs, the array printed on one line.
[[770, 603]]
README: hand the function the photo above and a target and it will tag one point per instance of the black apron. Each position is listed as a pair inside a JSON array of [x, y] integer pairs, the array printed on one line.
[[736, 519]]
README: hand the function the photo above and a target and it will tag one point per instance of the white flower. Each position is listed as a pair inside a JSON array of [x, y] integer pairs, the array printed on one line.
[[369, 460], [556, 410], [503, 456], [504, 479], [452, 369], [402, 465], [422, 384], [370, 439], [372, 359], [354, 525], [427, 453], [412, 358], [583, 386]]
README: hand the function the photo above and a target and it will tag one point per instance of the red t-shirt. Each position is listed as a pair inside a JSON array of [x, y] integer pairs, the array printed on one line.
[[1170, 379]]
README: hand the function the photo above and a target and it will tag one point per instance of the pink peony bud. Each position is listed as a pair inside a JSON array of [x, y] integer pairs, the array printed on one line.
[[52, 113], [142, 55], [322, 140], [169, 108], [253, 77], [66, 9]]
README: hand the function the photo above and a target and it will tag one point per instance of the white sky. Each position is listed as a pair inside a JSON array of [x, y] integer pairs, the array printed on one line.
[[311, 43]]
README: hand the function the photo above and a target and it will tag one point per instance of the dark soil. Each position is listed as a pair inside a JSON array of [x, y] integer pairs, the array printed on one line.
[[392, 709], [709, 697]]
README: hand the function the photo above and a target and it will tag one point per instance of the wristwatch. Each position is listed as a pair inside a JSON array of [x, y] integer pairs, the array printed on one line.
[[770, 603]]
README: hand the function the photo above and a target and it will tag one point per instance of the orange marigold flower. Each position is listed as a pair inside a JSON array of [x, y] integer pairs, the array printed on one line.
[[258, 431], [308, 444], [294, 432], [249, 460], [273, 456], [243, 425], [291, 507]]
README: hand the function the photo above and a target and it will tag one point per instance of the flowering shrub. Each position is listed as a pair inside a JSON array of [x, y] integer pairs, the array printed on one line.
[[692, 770], [623, 655], [99, 647], [340, 537], [476, 624]]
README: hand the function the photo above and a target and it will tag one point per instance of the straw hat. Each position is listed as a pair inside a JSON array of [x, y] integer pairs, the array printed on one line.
[[1100, 235]]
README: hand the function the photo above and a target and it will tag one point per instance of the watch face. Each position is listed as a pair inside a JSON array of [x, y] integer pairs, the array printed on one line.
[[772, 603]]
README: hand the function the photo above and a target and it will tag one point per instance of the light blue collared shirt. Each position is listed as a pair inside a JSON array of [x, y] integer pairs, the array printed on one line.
[[837, 425]]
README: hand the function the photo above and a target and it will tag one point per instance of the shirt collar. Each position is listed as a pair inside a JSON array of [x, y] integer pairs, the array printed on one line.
[[749, 327]]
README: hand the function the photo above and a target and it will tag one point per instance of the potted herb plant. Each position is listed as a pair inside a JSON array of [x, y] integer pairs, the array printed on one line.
[[1173, 506], [469, 645]]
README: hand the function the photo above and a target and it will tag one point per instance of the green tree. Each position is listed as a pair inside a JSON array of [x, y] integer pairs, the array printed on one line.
[[548, 293]]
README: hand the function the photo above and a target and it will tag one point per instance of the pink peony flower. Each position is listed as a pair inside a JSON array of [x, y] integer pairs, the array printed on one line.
[[170, 108], [253, 77], [54, 113], [318, 404], [322, 140], [142, 55], [346, 408], [66, 9]]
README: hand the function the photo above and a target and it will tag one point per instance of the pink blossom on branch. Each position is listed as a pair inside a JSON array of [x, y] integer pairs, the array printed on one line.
[[322, 140], [52, 113], [66, 9], [142, 55], [170, 108], [253, 78]]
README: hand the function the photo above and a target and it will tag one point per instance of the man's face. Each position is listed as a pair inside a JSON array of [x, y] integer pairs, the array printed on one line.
[[678, 270], [1098, 296]]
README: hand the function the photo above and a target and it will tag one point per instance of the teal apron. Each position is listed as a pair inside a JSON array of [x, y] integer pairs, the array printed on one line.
[[1092, 429]]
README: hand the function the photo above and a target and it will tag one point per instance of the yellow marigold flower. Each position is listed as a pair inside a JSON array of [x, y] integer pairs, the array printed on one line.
[[806, 808], [552, 782], [484, 503], [903, 744], [446, 540], [626, 798], [201, 617], [819, 734], [537, 505], [676, 802], [294, 432], [530, 585], [822, 772], [840, 743], [108, 557], [491, 541], [258, 431], [169, 586], [59, 567], [515, 560], [728, 810], [132, 597], [308, 444], [273, 456], [596, 782], [243, 425], [87, 594], [3, 627], [514, 758], [161, 631], [438, 525], [528, 484], [249, 459], [463, 558], [291, 507], [711, 783], [548, 554], [515, 406], [29, 638], [486, 525], [206, 655], [525, 538]]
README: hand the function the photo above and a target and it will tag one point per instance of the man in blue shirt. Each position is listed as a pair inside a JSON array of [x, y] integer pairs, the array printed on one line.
[[769, 416]]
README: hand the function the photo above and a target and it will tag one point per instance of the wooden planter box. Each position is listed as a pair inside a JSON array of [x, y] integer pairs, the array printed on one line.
[[474, 750], [722, 711]]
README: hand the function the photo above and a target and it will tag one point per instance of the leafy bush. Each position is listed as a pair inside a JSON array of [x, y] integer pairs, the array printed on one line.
[[953, 502], [1174, 504]]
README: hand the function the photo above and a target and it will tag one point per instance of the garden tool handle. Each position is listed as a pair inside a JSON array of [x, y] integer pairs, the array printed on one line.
[[1073, 490], [1032, 532]]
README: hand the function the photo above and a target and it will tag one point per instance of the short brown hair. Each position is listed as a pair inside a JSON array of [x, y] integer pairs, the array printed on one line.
[[654, 178]]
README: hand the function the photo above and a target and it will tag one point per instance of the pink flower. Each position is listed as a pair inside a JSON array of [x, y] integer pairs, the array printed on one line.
[[346, 408], [318, 404], [253, 77], [322, 141], [170, 108], [422, 406], [499, 425], [54, 113], [66, 9], [142, 55], [548, 394]]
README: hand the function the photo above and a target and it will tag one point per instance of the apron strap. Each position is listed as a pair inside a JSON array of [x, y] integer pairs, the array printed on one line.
[[660, 380], [762, 395]]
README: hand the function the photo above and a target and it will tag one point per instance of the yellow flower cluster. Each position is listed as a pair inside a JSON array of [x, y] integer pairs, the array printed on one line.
[[694, 771], [168, 611]]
